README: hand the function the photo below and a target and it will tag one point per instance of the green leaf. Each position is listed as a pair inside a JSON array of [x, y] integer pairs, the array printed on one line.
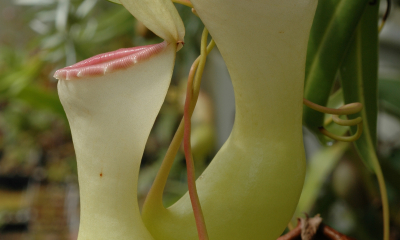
[[331, 33], [335, 101], [359, 76]]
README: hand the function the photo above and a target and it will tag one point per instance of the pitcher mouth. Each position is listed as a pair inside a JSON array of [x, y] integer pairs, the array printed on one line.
[[109, 62]]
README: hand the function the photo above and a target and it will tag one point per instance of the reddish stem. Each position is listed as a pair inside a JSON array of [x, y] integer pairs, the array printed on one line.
[[198, 214], [293, 234], [324, 232]]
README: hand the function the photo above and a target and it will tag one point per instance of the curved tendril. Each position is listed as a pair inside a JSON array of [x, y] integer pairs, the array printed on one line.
[[343, 122], [160, 181], [191, 178], [187, 3], [386, 15], [347, 109], [343, 138], [350, 108], [155, 194]]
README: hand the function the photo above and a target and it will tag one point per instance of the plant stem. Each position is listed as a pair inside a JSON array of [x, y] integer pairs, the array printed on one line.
[[386, 15], [154, 197], [325, 231], [191, 178], [384, 197]]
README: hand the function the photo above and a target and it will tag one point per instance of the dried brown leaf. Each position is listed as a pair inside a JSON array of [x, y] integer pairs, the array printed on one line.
[[309, 227]]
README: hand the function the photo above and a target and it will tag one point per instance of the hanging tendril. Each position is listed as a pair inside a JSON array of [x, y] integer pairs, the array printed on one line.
[[386, 15], [347, 109]]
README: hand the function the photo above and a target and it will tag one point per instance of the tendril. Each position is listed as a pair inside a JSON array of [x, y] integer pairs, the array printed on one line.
[[194, 198], [347, 109], [343, 138], [386, 15], [350, 108], [154, 197]]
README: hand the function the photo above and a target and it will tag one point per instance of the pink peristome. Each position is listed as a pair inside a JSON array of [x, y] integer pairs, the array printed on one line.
[[109, 62]]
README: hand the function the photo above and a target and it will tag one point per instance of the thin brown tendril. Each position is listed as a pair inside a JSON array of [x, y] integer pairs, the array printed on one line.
[[157, 189], [386, 15], [194, 198], [154, 198]]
